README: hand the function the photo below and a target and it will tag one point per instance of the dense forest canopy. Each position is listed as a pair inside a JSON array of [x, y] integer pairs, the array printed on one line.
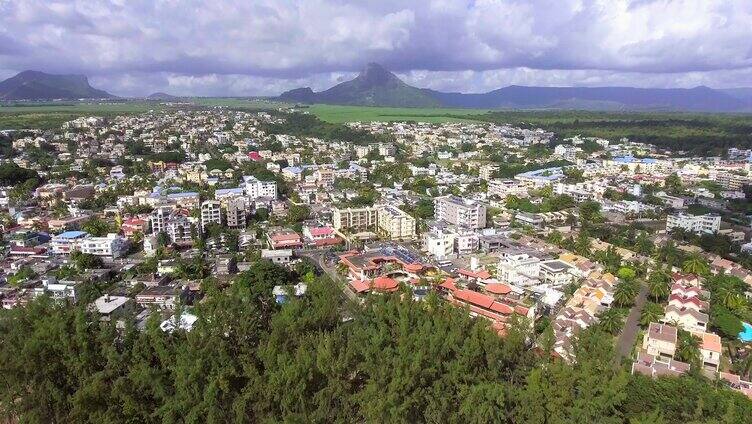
[[251, 360]]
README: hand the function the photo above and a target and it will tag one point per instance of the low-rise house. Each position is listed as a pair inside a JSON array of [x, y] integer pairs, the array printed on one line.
[[284, 239], [111, 307], [279, 256], [686, 318], [710, 349], [660, 340], [654, 366], [163, 297]]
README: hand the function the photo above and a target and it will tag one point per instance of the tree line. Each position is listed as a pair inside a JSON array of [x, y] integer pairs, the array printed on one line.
[[317, 359]]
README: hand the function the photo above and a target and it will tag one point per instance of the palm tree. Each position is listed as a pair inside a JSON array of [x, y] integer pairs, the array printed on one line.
[[695, 264], [658, 285], [582, 244], [652, 312], [688, 347], [643, 245], [611, 321], [625, 293], [667, 253]]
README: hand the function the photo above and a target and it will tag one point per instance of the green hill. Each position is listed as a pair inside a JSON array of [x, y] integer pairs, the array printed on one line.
[[35, 85]]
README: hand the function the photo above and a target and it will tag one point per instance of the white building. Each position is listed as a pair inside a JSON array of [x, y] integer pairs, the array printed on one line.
[[460, 212], [158, 218], [67, 242], [439, 243], [112, 246], [504, 188], [255, 188], [211, 213], [519, 268], [707, 224]]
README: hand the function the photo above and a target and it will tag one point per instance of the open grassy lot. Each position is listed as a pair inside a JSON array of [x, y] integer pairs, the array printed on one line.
[[52, 115], [340, 114]]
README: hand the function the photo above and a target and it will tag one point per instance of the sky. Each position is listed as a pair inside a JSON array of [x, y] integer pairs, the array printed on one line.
[[263, 47]]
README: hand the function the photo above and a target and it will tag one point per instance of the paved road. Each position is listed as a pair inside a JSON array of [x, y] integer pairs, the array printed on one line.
[[317, 256], [628, 334]]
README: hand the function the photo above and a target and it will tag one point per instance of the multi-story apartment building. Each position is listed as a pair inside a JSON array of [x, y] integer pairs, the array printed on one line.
[[112, 245], [395, 223], [255, 188], [355, 219], [211, 212], [707, 224], [236, 212], [732, 181], [178, 227], [487, 171], [158, 218], [439, 243], [460, 212]]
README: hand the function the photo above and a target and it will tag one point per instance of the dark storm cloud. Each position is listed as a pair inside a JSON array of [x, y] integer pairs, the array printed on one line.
[[256, 47]]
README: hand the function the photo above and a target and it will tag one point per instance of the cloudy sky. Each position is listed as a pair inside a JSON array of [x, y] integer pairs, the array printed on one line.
[[262, 47]]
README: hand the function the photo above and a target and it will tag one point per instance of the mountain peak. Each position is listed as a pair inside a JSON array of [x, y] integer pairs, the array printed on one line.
[[374, 74]]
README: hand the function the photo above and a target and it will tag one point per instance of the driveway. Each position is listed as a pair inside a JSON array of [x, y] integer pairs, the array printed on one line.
[[628, 334]]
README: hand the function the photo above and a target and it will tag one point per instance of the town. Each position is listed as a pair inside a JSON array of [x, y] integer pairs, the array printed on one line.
[[132, 215]]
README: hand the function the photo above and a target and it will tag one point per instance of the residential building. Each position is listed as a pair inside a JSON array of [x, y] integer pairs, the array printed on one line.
[[460, 212], [355, 219], [163, 297], [699, 224], [236, 212], [178, 227], [556, 273], [211, 213], [656, 366], [710, 349], [111, 246], [67, 242], [519, 268], [255, 188], [279, 256], [439, 243], [687, 318], [395, 223], [158, 218], [660, 340]]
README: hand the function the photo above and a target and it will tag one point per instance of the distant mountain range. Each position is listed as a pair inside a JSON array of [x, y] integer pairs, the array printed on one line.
[[35, 85], [376, 86]]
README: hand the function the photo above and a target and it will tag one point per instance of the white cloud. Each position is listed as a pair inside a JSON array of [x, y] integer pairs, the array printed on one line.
[[263, 45]]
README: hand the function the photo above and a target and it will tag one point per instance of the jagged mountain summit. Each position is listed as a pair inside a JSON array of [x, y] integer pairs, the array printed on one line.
[[374, 86]]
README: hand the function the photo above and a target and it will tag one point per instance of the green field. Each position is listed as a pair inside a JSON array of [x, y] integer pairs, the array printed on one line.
[[340, 114], [52, 115]]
